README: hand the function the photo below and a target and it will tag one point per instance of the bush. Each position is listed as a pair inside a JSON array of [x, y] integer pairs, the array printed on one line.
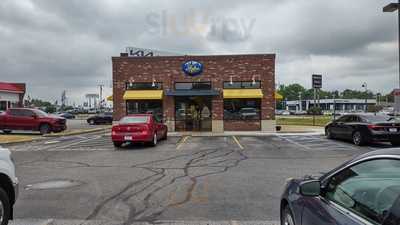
[[314, 111]]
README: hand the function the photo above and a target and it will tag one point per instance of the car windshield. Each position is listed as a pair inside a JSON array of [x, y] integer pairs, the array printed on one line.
[[40, 113], [134, 119]]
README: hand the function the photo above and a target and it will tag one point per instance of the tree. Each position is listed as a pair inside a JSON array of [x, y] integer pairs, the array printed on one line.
[[291, 92]]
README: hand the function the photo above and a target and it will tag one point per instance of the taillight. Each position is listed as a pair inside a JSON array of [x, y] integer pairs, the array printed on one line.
[[376, 127]]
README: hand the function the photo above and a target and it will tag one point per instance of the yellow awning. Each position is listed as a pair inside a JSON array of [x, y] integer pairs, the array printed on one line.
[[110, 98], [143, 95], [243, 93], [278, 96]]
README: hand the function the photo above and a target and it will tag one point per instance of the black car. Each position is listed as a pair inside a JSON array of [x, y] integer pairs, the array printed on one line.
[[67, 115], [362, 191], [365, 128], [105, 118]]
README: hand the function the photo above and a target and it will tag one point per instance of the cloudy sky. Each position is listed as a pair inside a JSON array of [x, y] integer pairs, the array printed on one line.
[[67, 44]]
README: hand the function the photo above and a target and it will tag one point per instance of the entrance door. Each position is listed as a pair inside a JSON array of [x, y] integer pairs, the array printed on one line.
[[193, 113]]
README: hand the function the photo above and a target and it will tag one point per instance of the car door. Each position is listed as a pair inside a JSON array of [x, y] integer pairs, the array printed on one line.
[[13, 119], [158, 126], [338, 128], [362, 194], [349, 126], [28, 120]]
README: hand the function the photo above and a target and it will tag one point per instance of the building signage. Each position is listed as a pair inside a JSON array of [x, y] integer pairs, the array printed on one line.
[[316, 81], [192, 68]]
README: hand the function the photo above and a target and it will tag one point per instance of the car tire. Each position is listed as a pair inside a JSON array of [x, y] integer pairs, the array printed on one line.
[[91, 122], [154, 140], [5, 206], [395, 143], [358, 138], [7, 131], [328, 133], [117, 144], [44, 129], [287, 217]]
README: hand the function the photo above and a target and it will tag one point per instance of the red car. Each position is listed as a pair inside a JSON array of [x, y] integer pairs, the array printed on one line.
[[30, 119], [138, 128]]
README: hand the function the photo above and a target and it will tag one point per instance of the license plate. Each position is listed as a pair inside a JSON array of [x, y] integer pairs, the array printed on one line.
[[128, 138], [392, 129]]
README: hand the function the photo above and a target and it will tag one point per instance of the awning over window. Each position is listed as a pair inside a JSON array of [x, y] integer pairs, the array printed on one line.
[[278, 96], [243, 93], [110, 98], [193, 93], [143, 95]]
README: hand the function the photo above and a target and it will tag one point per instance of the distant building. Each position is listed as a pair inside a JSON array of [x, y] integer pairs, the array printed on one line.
[[342, 105], [11, 95]]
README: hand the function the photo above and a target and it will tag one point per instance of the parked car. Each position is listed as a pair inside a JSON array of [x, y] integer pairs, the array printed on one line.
[[104, 118], [67, 115], [365, 128], [362, 191], [138, 128], [8, 186], [31, 119], [248, 113]]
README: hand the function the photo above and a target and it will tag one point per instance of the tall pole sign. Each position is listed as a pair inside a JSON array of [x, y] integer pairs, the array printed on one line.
[[316, 85]]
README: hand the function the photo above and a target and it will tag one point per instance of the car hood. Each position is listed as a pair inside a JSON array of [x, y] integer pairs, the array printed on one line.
[[56, 117]]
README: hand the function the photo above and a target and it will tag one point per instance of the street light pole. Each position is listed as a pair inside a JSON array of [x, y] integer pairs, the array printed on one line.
[[391, 8], [364, 85]]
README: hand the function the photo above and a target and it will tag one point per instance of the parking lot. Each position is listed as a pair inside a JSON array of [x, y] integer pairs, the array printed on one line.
[[232, 179]]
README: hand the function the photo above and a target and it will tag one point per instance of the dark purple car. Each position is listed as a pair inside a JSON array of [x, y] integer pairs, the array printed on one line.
[[364, 190]]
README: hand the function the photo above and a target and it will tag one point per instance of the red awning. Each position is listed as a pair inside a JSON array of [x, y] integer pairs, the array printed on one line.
[[9, 87]]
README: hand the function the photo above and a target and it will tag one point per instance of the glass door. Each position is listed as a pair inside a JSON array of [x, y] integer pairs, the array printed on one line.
[[193, 113]]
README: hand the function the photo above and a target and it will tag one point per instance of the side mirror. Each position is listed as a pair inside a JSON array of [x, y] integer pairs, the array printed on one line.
[[310, 188], [34, 116]]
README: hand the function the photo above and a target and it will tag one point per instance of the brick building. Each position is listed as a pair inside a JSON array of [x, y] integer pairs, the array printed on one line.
[[198, 93]]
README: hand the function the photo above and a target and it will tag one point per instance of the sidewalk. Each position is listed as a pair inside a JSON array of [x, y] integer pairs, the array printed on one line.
[[286, 129]]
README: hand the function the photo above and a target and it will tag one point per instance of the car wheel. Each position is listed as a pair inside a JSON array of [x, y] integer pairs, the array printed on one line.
[[44, 129], [5, 207], [7, 131], [154, 141], [328, 133], [358, 139], [287, 217], [91, 122], [395, 143], [117, 144]]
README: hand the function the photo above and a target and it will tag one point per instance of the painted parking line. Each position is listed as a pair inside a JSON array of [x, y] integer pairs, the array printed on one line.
[[181, 142], [237, 142]]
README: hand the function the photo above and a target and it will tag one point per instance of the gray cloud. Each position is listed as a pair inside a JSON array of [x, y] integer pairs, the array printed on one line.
[[57, 45]]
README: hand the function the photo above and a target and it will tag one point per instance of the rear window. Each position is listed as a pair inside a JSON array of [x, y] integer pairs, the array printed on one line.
[[377, 118], [135, 119]]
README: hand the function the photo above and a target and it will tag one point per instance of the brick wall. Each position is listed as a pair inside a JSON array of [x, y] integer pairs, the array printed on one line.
[[240, 125], [217, 69]]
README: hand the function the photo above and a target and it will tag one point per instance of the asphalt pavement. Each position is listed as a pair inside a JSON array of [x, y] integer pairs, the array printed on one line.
[[83, 179]]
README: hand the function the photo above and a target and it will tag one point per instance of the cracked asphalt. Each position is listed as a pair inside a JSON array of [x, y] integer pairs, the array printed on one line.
[[181, 179]]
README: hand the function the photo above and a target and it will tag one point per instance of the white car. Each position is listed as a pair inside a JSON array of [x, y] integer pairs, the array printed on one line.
[[8, 186]]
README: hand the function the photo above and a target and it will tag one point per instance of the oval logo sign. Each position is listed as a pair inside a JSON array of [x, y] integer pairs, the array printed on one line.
[[192, 68]]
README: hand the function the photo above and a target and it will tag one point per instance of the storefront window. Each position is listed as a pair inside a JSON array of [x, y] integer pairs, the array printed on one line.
[[242, 109], [242, 85], [193, 86], [148, 106], [144, 86]]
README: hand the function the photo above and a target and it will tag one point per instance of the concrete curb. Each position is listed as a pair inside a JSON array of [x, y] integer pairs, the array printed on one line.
[[77, 132], [22, 141]]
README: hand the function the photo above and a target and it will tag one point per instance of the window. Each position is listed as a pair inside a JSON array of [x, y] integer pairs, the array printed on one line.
[[193, 86], [143, 107], [143, 86], [242, 85], [16, 112], [134, 120], [368, 189], [242, 109]]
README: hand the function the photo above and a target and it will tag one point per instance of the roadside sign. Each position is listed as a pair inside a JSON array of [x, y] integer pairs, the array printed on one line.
[[317, 81]]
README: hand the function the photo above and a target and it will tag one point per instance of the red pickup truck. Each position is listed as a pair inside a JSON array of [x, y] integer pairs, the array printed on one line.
[[30, 119]]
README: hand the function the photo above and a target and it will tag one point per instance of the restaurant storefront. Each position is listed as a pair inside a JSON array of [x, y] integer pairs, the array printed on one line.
[[198, 93]]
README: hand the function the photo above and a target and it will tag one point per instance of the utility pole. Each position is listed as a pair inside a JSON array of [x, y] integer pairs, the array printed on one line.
[[300, 103], [364, 85]]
